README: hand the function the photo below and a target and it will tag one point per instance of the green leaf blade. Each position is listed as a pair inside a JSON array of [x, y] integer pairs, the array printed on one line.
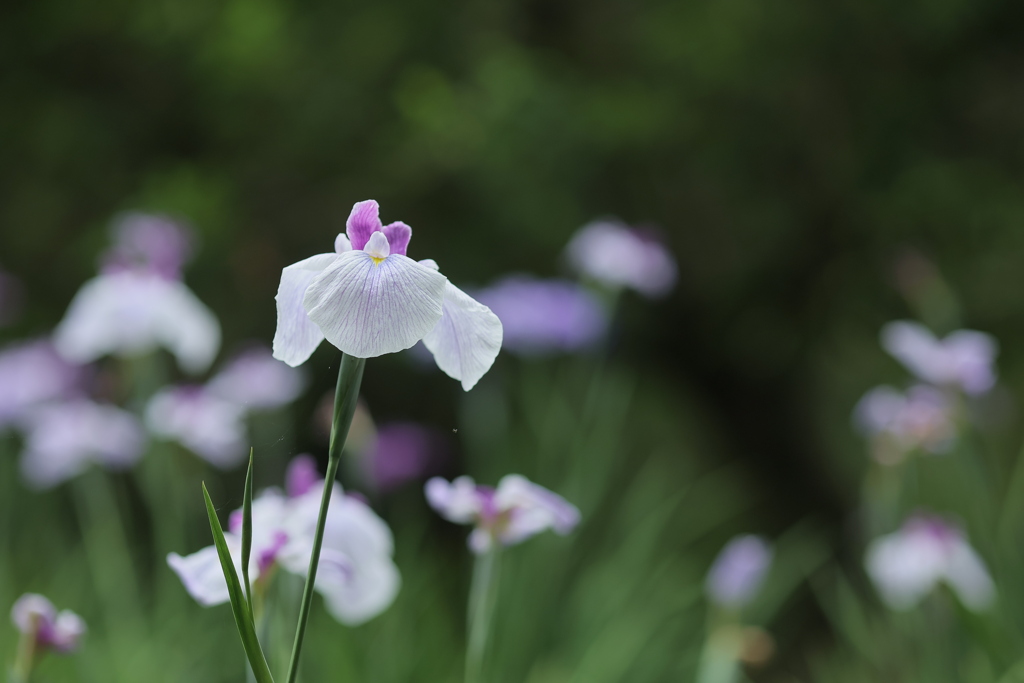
[[239, 605], [247, 535]]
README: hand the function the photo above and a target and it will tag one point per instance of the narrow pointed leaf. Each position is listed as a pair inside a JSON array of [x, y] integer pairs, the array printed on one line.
[[239, 606], [247, 535]]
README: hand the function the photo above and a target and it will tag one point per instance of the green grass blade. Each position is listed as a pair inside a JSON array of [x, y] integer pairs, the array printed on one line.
[[247, 535], [239, 606]]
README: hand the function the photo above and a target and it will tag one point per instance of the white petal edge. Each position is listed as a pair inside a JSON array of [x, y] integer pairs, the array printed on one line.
[[201, 574], [466, 340], [297, 336], [368, 308], [188, 328]]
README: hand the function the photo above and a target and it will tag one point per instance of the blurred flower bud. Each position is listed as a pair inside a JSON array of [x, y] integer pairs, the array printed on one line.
[[738, 571]]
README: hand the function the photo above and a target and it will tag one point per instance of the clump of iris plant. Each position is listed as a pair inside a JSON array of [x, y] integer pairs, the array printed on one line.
[[514, 511], [43, 629]]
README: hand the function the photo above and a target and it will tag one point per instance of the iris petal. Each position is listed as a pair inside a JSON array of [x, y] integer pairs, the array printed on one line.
[[297, 336], [363, 222], [398, 234], [367, 309], [466, 340]]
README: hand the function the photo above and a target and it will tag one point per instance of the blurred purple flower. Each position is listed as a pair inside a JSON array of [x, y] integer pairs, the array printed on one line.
[[401, 452], [738, 571], [617, 255], [132, 312], [211, 427], [31, 373], [155, 243], [11, 295], [356, 576], [62, 439], [256, 380], [302, 475], [964, 358], [908, 564], [543, 316], [923, 418], [509, 514], [34, 615]]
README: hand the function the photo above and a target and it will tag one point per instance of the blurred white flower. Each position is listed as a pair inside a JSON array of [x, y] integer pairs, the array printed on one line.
[[35, 616], [368, 299], [513, 512], [132, 312], [620, 256], [908, 564], [739, 570], [31, 373], [63, 439], [922, 418], [964, 358], [257, 380], [208, 425], [356, 575]]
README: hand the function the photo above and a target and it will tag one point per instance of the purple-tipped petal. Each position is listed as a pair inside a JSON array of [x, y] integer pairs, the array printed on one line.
[[398, 234], [363, 222], [466, 340], [297, 336], [367, 307]]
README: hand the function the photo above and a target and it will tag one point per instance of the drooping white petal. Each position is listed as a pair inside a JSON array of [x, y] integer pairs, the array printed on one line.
[[211, 427], [466, 339], [201, 572], [188, 329], [359, 591], [297, 336], [532, 509], [255, 379], [905, 567], [967, 575], [368, 307]]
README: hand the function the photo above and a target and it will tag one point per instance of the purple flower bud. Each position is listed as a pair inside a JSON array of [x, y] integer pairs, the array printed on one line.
[[738, 571], [35, 616], [545, 316], [619, 256]]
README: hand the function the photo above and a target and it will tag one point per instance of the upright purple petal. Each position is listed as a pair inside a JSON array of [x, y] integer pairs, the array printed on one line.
[[398, 234], [402, 452], [363, 222], [155, 243]]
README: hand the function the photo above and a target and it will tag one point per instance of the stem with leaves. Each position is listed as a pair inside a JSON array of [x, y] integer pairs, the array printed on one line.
[[350, 376]]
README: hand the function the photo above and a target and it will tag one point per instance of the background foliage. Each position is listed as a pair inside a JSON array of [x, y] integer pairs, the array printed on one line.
[[802, 160]]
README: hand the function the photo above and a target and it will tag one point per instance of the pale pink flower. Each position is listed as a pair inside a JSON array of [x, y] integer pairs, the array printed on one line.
[[34, 615], [617, 255], [963, 359]]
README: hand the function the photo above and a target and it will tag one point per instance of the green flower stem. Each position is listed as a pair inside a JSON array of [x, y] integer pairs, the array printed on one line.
[[483, 595], [350, 376], [25, 658]]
